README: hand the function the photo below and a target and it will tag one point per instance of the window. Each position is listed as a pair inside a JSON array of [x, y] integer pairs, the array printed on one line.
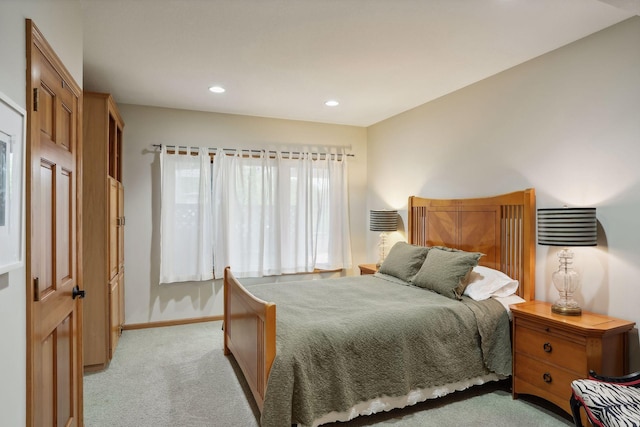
[[276, 215], [270, 215]]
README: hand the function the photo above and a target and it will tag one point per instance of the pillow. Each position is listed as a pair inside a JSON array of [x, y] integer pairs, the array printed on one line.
[[446, 271], [485, 282], [404, 261]]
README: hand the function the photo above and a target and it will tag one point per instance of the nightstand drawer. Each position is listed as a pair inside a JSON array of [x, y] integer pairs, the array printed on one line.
[[552, 348], [548, 378]]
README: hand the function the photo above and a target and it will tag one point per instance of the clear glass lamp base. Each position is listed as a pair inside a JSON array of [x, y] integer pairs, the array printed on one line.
[[566, 281], [382, 244]]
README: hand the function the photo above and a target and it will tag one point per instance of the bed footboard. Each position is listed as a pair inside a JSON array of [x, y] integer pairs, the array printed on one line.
[[249, 334]]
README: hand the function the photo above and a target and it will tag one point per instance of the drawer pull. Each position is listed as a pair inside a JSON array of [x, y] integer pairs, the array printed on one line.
[[547, 347], [547, 377]]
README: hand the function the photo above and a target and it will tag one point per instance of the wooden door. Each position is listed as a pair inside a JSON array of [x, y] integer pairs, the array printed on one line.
[[54, 364]]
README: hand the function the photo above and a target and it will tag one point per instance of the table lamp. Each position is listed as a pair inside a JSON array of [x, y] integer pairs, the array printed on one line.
[[383, 221], [567, 227]]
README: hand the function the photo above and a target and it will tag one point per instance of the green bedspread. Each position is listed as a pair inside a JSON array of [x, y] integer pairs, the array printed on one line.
[[348, 340]]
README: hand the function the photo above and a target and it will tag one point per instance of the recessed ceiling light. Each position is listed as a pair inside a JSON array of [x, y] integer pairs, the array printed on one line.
[[217, 89], [332, 103]]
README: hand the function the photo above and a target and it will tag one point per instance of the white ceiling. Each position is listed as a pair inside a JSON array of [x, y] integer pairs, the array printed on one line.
[[285, 58]]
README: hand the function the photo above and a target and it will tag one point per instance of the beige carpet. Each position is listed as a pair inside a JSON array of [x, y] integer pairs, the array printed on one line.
[[178, 376]]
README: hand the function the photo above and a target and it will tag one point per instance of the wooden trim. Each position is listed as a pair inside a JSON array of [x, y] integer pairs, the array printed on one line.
[[79, 252], [31, 32], [47, 51], [160, 324], [315, 271]]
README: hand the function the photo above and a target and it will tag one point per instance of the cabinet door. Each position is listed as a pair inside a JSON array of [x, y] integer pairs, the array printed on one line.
[[115, 142], [114, 225], [114, 315], [120, 226], [121, 297], [116, 311]]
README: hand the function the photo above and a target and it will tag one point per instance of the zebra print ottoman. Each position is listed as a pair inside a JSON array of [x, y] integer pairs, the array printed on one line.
[[607, 404]]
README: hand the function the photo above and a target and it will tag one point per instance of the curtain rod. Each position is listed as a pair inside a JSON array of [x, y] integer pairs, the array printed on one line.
[[272, 152]]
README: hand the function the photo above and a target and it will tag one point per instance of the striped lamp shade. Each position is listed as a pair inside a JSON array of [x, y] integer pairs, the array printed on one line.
[[383, 220], [567, 227]]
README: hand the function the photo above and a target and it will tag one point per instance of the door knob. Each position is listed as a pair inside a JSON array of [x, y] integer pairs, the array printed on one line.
[[77, 292]]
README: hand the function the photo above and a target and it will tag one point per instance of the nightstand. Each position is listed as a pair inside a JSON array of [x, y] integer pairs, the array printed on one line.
[[551, 350], [367, 269]]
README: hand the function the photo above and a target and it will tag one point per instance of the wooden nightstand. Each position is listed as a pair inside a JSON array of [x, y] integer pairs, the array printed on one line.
[[551, 350], [367, 269]]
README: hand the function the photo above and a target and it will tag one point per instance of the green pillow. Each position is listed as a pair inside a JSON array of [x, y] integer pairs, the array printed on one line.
[[446, 271], [404, 261]]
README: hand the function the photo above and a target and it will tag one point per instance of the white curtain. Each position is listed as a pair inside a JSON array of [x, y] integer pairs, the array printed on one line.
[[278, 216], [186, 249], [333, 238], [246, 211]]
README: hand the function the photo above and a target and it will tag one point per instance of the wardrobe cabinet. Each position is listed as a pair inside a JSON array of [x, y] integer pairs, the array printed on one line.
[[102, 229]]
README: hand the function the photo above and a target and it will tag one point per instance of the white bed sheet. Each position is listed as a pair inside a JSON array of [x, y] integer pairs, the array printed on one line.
[[387, 403]]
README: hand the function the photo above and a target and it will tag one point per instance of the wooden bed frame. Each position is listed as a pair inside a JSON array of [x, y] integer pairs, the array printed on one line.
[[501, 227]]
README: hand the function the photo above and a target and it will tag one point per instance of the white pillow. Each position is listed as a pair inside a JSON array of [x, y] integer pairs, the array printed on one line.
[[485, 282]]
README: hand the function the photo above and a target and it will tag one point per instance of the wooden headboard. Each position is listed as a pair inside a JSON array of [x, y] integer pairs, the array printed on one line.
[[501, 227]]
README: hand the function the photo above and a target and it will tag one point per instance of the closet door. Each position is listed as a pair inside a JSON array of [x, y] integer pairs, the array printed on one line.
[[114, 304], [116, 261], [120, 227], [114, 228]]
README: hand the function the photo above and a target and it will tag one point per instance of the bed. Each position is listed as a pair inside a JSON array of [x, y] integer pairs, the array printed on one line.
[[362, 315]]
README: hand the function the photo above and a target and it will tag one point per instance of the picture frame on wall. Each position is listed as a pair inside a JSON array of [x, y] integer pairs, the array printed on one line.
[[12, 191]]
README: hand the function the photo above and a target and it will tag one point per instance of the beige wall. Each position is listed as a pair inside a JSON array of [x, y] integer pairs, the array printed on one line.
[[567, 124], [146, 300], [61, 24]]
